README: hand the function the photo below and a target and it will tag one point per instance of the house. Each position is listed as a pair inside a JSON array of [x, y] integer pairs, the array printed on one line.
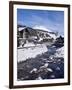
[[28, 34]]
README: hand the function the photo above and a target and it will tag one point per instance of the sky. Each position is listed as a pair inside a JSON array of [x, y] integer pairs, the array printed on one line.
[[52, 20]]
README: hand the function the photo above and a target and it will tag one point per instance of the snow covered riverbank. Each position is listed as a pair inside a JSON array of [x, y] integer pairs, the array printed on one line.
[[49, 65], [60, 52], [31, 52]]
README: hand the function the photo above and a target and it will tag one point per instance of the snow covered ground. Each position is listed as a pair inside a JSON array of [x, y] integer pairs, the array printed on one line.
[[31, 52], [60, 52], [29, 44]]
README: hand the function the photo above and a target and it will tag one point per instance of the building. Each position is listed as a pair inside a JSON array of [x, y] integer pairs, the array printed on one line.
[[27, 34]]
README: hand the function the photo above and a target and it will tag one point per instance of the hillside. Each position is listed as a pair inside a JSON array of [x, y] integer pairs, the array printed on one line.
[[36, 35]]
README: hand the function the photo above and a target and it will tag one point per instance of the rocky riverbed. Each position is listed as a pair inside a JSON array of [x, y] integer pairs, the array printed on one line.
[[48, 65]]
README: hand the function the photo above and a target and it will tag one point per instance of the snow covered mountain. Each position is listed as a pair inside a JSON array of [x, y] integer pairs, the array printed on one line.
[[49, 32], [38, 29], [37, 35], [42, 28]]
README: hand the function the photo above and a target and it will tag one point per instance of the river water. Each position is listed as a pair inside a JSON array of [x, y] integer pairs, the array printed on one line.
[[33, 68]]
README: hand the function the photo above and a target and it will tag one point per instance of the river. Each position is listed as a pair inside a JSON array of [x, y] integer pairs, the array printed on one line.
[[34, 68]]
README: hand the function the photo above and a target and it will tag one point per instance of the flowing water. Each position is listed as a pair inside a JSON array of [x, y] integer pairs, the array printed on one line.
[[33, 68]]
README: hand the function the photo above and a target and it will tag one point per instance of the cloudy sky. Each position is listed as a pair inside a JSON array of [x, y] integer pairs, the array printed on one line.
[[53, 20]]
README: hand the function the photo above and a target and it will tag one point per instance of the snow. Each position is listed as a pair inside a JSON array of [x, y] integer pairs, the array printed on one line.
[[39, 78], [28, 44], [53, 46], [45, 66], [51, 57], [21, 28], [21, 43], [52, 35], [31, 52], [33, 70], [49, 69], [41, 28], [40, 39], [33, 37], [45, 29], [60, 52]]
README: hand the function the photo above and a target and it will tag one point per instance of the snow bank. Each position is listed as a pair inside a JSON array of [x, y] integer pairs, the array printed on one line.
[[31, 52], [29, 44], [60, 52]]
